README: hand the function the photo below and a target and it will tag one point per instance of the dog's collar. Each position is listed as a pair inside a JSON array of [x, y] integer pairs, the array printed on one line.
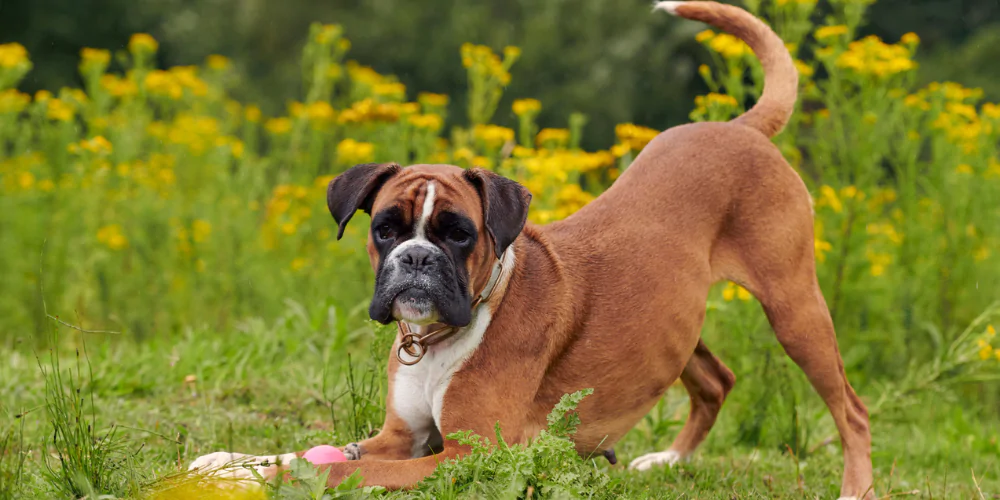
[[416, 345]]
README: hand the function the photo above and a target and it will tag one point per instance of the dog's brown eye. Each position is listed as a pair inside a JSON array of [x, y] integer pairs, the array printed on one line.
[[385, 232]]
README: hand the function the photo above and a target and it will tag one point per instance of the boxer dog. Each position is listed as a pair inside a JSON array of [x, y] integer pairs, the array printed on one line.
[[498, 318]]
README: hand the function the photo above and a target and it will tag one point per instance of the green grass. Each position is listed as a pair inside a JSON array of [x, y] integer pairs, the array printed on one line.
[[123, 416]]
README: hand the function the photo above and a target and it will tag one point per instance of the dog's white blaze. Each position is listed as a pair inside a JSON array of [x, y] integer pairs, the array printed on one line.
[[670, 7], [418, 391], [425, 214]]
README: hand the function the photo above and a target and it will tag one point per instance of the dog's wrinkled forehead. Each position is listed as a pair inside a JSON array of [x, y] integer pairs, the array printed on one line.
[[421, 192]]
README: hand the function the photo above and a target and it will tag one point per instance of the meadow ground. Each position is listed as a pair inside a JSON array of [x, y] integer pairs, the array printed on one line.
[[153, 204], [266, 388]]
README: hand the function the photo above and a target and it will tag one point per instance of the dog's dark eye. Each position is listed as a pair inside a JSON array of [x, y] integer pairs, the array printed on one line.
[[458, 236], [385, 232]]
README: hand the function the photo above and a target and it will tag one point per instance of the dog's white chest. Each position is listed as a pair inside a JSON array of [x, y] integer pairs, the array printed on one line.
[[418, 390]]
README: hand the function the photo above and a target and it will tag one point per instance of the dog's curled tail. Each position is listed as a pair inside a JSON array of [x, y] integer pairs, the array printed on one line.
[[781, 78]]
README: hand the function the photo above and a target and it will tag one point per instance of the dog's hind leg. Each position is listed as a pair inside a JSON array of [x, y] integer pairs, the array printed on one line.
[[770, 250], [707, 381]]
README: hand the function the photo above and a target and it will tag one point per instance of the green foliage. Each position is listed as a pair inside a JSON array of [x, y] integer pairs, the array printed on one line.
[[547, 467], [90, 460], [12, 459], [309, 483]]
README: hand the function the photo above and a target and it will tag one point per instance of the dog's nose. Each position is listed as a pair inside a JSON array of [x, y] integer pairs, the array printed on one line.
[[416, 258]]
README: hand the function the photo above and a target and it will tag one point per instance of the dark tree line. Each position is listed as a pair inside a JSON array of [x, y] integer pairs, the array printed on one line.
[[612, 60]]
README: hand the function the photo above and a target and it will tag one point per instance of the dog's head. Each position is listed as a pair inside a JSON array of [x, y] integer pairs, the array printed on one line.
[[436, 231]]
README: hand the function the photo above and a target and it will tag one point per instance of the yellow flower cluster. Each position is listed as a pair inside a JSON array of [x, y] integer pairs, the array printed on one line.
[[632, 138], [734, 291], [217, 62], [119, 87], [112, 237], [94, 59], [985, 344], [828, 32], [887, 230], [97, 145], [429, 122], [12, 101], [552, 138], [431, 101], [726, 45], [142, 43], [13, 55], [492, 136], [870, 56], [278, 126], [368, 110], [481, 59], [958, 118], [59, 110], [524, 107], [391, 90], [351, 152], [173, 82]]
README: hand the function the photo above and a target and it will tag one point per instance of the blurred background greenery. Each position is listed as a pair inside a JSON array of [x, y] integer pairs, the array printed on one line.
[[609, 60]]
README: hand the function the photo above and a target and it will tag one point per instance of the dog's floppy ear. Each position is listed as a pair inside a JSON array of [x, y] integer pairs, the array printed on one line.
[[505, 206], [355, 190]]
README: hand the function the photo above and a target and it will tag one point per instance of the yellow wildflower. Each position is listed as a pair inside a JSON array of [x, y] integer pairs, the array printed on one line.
[[60, 110], [97, 145], [729, 46], [552, 136], [523, 107], [320, 112], [391, 90], [733, 291], [25, 180], [163, 83], [217, 62], [635, 137], [704, 36], [991, 110], [350, 151], [12, 101], [986, 352], [427, 121], [94, 58], [493, 136], [328, 33], [804, 69], [112, 237], [278, 126], [432, 100], [910, 39], [13, 55], [201, 230], [142, 43], [118, 87], [964, 169], [990, 331], [831, 31], [252, 113], [298, 263], [828, 197]]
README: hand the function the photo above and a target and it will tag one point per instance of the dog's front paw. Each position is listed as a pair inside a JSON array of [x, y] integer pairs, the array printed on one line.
[[650, 460], [239, 467], [353, 451]]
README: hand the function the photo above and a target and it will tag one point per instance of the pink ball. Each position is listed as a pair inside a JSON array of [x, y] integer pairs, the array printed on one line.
[[324, 454]]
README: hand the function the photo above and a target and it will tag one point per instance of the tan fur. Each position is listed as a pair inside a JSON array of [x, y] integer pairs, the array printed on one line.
[[613, 297]]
